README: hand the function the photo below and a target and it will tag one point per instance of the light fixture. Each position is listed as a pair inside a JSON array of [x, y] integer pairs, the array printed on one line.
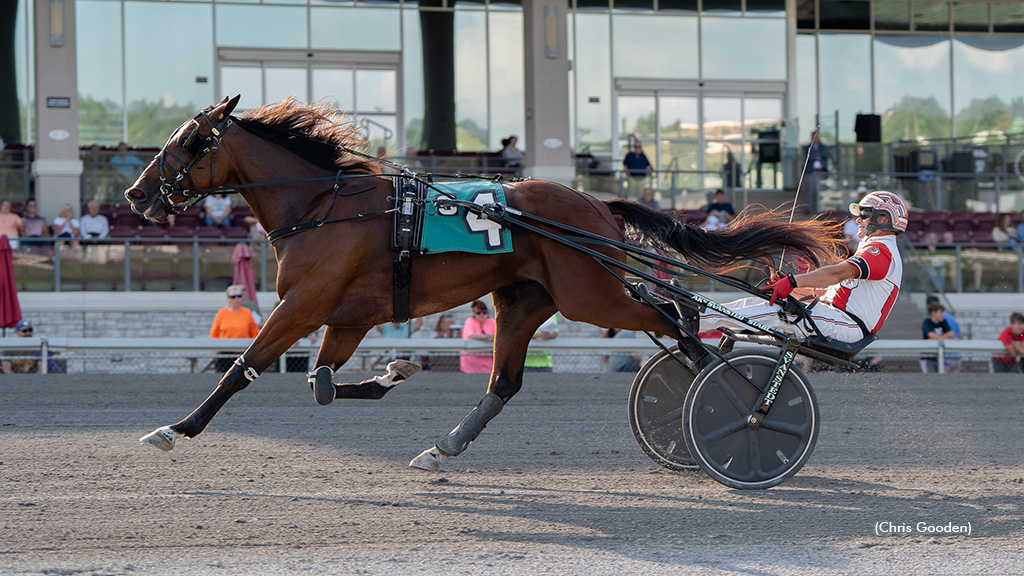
[[551, 31], [56, 22]]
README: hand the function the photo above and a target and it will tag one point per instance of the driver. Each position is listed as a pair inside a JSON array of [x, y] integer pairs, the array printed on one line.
[[861, 290]]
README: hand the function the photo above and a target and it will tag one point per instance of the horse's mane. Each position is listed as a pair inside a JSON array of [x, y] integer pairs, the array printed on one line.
[[313, 132]]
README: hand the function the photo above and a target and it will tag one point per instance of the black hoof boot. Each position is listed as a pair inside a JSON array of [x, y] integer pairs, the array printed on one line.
[[322, 382]]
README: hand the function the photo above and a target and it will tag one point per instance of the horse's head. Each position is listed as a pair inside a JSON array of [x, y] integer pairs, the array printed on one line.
[[169, 183]]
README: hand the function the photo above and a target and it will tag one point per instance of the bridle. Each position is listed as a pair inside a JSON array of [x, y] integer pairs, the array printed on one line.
[[197, 149]]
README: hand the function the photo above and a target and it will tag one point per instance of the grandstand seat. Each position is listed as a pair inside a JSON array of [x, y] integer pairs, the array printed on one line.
[[937, 226], [179, 231], [120, 231], [236, 232], [128, 219], [208, 232], [962, 226], [981, 237], [151, 232], [188, 219], [961, 236]]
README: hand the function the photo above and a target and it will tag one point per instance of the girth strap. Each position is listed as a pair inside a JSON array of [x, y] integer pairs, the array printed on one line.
[[407, 232]]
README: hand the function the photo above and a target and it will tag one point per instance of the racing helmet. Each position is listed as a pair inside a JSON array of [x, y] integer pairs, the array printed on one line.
[[882, 201]]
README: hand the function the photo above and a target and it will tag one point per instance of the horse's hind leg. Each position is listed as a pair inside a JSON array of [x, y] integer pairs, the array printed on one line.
[[519, 310], [337, 347]]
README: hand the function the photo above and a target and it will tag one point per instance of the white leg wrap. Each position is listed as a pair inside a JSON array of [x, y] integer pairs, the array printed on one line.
[[162, 438], [397, 372], [429, 460]]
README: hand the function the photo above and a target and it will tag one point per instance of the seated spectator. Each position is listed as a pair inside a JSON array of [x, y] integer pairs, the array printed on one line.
[[1020, 227], [721, 209], [399, 330], [621, 362], [647, 198], [479, 326], [127, 165], [26, 361], [1004, 233], [512, 155], [94, 226], [1012, 338], [218, 210], [232, 321], [66, 225], [11, 225], [935, 327], [34, 224]]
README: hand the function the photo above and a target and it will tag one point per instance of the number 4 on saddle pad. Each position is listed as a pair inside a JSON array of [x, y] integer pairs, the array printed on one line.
[[459, 230]]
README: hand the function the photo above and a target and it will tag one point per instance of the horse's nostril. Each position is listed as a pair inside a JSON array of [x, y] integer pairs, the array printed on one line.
[[137, 193]]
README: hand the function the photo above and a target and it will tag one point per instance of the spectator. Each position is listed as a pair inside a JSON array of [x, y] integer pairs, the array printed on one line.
[[540, 360], [647, 198], [1003, 233], [712, 222], [816, 155], [218, 210], [622, 362], [11, 225], [66, 225], [445, 328], [234, 321], [250, 305], [721, 209], [35, 225], [637, 167], [953, 324], [127, 165], [512, 155], [94, 225], [935, 327], [1012, 338], [1020, 227], [26, 361], [399, 330], [479, 326]]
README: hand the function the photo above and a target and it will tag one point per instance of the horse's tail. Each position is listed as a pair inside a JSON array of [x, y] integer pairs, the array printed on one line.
[[751, 236]]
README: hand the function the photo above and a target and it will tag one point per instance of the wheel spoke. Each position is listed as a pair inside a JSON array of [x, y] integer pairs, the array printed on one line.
[[669, 418], [734, 398], [798, 430], [724, 431]]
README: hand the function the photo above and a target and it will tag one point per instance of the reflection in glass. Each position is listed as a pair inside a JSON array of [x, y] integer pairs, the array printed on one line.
[[162, 85], [844, 14], [508, 115], [917, 65], [636, 116], [335, 86], [593, 83], [722, 118], [723, 6], [807, 81], [261, 26], [634, 5], [412, 78], [637, 37], [471, 80], [283, 82], [681, 156], [1008, 17], [970, 17], [380, 131], [244, 80], [931, 16], [767, 7], [892, 15], [761, 114], [678, 116], [986, 108], [354, 28], [845, 84], [760, 56], [100, 82], [687, 6]]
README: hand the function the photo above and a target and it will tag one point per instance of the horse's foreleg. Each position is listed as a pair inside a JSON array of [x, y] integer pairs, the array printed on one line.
[[337, 347], [277, 335], [519, 310]]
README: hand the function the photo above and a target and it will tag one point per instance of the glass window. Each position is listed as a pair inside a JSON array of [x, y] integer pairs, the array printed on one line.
[[1008, 17], [767, 7], [376, 91], [723, 57], [336, 86], [970, 16], [168, 85], [892, 16], [723, 6], [354, 28], [761, 114], [100, 81], [805, 11], [634, 5], [678, 116], [637, 117], [282, 82], [984, 107], [471, 80], [592, 5], [508, 101], [931, 16], [845, 14], [244, 80], [22, 66], [261, 26], [807, 82], [592, 71], [912, 80], [412, 78], [844, 82], [723, 118], [639, 40], [687, 6]]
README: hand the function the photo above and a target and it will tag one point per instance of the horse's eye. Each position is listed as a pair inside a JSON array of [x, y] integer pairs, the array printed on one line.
[[193, 145]]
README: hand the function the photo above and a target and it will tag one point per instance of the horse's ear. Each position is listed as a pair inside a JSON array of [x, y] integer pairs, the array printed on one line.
[[228, 106]]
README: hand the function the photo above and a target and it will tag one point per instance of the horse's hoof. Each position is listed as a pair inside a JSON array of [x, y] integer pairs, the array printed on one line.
[[322, 382], [399, 371], [429, 460], [163, 438]]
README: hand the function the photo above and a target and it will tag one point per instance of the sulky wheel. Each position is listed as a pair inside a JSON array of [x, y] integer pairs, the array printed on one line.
[[656, 408], [726, 446]]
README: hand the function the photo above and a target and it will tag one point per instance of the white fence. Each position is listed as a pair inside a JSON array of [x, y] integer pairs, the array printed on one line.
[[569, 355]]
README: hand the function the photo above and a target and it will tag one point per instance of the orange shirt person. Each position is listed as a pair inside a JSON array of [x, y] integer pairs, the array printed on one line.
[[234, 321]]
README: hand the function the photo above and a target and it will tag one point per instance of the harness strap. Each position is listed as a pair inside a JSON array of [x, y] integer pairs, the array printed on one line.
[[249, 372], [406, 234]]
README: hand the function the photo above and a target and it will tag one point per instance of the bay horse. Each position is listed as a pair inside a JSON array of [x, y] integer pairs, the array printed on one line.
[[298, 168]]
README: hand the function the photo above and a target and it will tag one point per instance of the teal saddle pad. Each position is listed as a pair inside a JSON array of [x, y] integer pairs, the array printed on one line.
[[459, 230]]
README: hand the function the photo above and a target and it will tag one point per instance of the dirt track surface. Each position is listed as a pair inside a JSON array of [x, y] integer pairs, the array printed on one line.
[[555, 485]]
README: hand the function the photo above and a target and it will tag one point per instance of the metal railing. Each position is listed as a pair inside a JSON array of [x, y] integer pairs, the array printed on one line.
[[569, 355]]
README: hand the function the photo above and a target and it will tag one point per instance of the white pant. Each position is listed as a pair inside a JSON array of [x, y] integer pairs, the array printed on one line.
[[832, 322]]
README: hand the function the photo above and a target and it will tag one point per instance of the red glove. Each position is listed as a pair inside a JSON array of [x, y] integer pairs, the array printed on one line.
[[780, 288]]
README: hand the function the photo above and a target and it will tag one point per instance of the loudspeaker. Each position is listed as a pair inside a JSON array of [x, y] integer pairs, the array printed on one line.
[[769, 152], [868, 128]]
